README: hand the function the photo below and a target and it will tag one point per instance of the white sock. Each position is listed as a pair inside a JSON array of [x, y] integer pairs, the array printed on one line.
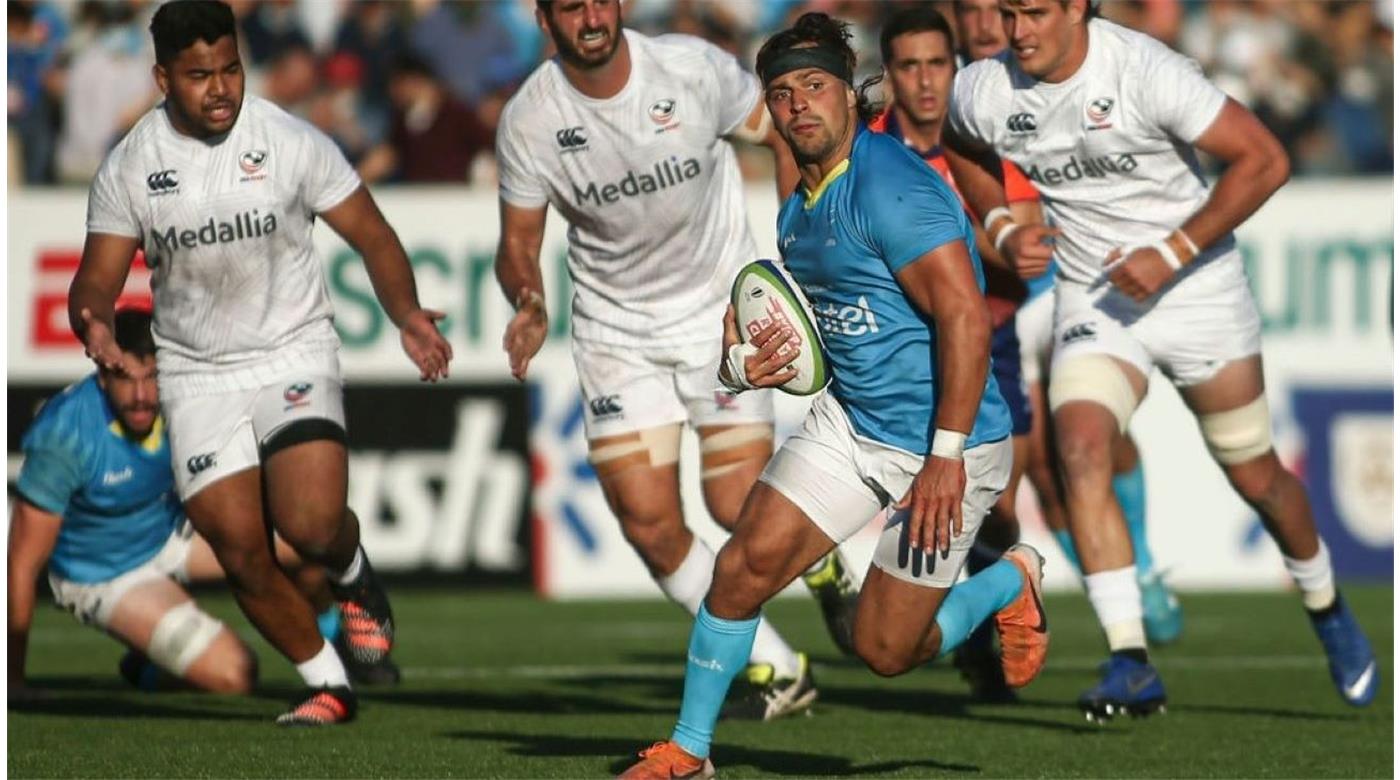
[[689, 583], [1314, 578], [357, 564], [1118, 603], [323, 669]]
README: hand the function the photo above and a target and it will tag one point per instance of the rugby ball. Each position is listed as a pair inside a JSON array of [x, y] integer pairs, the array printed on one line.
[[764, 293]]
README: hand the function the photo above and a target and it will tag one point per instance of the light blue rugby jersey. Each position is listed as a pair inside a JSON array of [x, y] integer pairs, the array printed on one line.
[[116, 496], [873, 215]]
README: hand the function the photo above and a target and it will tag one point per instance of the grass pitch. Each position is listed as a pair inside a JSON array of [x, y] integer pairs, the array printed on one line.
[[503, 685]]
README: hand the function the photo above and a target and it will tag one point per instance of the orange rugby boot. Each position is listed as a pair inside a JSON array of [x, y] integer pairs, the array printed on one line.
[[667, 761], [1024, 631]]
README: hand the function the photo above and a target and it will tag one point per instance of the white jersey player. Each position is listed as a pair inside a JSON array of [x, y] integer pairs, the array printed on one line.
[[1104, 121], [628, 137], [221, 193]]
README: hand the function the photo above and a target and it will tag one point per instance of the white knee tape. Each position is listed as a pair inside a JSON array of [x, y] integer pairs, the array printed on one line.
[[736, 436], [1240, 434], [661, 444], [1093, 378], [729, 449], [181, 637]]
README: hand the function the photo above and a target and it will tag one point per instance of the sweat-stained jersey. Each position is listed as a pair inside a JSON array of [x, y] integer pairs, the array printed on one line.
[[648, 184], [239, 293], [1109, 149], [116, 496], [874, 214]]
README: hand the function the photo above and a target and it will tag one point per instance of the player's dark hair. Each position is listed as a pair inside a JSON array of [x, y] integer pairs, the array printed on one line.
[[132, 330], [819, 29], [179, 24], [916, 19]]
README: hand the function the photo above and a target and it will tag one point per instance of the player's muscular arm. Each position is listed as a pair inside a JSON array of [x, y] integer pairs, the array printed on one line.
[[518, 271], [943, 286], [33, 533], [357, 219], [92, 297], [1256, 166], [1023, 246]]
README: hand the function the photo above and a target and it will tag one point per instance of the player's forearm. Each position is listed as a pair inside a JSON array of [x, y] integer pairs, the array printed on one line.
[[518, 271], [964, 354], [391, 274], [1244, 186], [19, 616], [978, 172], [101, 303]]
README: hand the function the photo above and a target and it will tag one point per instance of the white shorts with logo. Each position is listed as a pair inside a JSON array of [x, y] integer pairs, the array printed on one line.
[[218, 434], [1035, 329], [1190, 331], [93, 603], [841, 481], [628, 389]]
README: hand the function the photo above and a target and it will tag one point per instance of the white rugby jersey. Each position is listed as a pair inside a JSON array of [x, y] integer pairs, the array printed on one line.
[[239, 293], [649, 186], [1109, 149]]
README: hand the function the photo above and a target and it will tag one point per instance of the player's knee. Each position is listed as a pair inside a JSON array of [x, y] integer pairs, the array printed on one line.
[[1085, 452], [649, 529], [1260, 481], [234, 671], [313, 532], [881, 655], [1095, 379], [189, 643], [246, 562], [1240, 435]]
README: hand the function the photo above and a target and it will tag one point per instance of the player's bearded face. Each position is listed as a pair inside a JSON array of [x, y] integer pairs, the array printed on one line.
[[813, 111], [132, 393], [586, 32], [1040, 33], [979, 28], [203, 87], [921, 75]]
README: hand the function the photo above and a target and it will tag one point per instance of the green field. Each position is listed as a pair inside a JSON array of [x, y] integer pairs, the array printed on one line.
[[503, 685]]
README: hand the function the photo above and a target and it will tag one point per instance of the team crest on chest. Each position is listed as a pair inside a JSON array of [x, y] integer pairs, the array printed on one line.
[[1097, 112], [251, 163], [663, 113]]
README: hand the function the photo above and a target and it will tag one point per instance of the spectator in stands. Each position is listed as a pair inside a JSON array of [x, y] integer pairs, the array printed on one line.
[[34, 36], [269, 27], [433, 137], [372, 33], [291, 78], [338, 109], [107, 88]]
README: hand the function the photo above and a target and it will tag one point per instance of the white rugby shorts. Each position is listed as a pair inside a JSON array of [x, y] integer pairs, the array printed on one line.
[[841, 481], [1190, 331], [93, 603], [628, 389], [215, 435], [1035, 329]]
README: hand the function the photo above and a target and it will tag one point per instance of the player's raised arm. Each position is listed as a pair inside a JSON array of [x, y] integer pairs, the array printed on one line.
[[518, 271], [33, 533], [357, 219]]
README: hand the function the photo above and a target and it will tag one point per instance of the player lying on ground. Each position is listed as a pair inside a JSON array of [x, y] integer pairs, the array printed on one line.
[[223, 194], [1106, 120], [628, 137], [911, 418], [97, 505], [980, 30]]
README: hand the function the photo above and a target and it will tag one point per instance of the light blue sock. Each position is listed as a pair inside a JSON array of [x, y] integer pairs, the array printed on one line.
[[718, 649], [1131, 490], [328, 623], [972, 601], [1067, 547]]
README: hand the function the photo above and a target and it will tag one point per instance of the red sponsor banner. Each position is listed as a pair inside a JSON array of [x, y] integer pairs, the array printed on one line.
[[54, 271]]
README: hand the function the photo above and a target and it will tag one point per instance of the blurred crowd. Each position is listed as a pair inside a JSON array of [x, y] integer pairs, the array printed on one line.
[[411, 90]]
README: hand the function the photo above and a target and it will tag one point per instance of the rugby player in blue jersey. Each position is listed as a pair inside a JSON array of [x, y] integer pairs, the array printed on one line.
[[97, 504], [910, 421]]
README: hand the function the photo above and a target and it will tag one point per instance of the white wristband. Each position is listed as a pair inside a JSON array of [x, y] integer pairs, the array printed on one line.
[[1000, 212], [1003, 234], [738, 378], [1165, 250], [948, 444]]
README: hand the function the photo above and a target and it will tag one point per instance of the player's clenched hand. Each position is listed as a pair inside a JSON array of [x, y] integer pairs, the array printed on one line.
[[1141, 274], [425, 345], [526, 332], [100, 344], [1030, 248], [934, 502]]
